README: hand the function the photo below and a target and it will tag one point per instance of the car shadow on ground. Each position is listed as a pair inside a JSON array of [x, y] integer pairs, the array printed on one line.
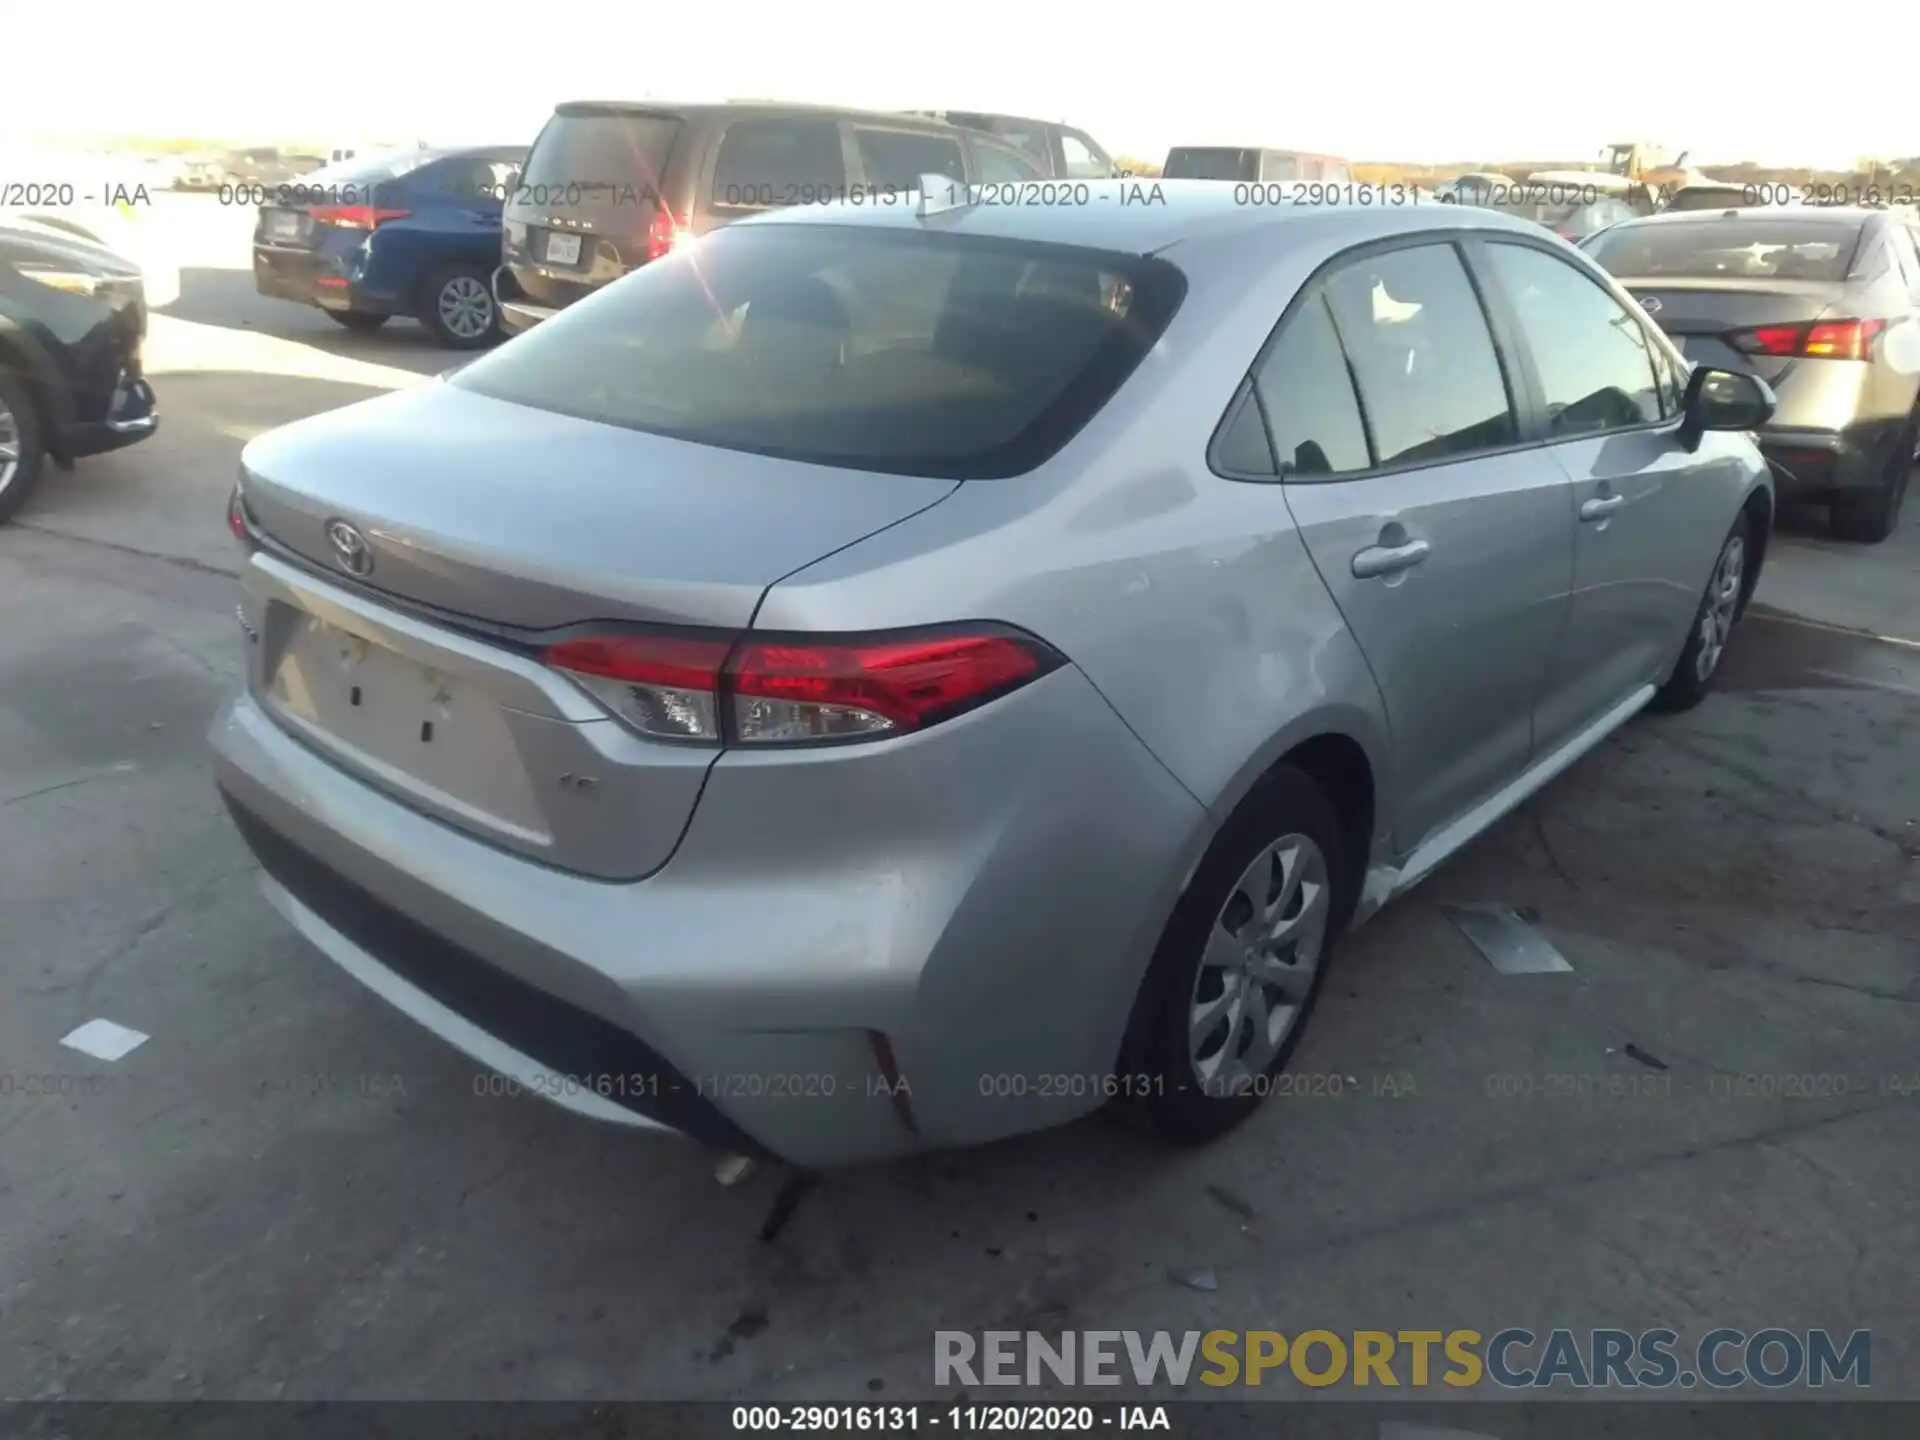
[[226, 298]]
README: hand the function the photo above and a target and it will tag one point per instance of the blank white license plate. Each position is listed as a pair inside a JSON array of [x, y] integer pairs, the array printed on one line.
[[417, 729], [563, 249], [283, 225]]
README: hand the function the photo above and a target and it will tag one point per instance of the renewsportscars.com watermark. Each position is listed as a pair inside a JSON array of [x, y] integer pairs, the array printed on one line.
[[1513, 1359]]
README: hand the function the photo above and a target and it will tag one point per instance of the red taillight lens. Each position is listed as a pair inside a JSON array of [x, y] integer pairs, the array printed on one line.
[[789, 690], [237, 517], [666, 686], [666, 234], [354, 217], [1821, 340], [793, 689]]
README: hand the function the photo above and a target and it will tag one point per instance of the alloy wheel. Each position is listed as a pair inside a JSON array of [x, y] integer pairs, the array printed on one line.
[[1723, 604], [10, 445], [1262, 954], [465, 307]]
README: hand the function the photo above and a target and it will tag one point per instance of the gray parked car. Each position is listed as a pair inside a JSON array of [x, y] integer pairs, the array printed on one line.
[[876, 681], [1822, 304]]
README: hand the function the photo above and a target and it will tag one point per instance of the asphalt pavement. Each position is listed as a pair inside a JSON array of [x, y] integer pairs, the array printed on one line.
[[287, 1190]]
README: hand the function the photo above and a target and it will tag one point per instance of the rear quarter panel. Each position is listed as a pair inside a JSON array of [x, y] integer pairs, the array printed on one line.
[[1189, 600]]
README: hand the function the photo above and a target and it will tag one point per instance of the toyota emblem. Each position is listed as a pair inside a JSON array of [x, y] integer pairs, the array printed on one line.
[[1651, 304], [350, 548]]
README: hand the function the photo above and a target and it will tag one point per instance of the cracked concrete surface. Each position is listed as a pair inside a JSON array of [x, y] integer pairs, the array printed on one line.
[[291, 1192]]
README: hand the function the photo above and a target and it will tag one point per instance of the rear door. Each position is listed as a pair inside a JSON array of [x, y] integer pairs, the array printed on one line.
[[1650, 515], [1446, 544]]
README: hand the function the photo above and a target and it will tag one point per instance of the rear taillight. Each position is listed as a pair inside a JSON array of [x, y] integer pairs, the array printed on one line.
[[237, 518], [784, 690], [667, 234], [1812, 340], [354, 217]]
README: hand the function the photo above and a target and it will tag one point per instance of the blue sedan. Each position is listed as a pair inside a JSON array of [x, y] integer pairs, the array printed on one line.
[[415, 232]]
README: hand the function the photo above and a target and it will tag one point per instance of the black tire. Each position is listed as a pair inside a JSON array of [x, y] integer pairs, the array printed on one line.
[[1160, 1064], [17, 402], [440, 309], [361, 322], [1869, 516], [1686, 687]]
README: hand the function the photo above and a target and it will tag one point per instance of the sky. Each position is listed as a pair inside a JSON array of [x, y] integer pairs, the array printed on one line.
[[1414, 82]]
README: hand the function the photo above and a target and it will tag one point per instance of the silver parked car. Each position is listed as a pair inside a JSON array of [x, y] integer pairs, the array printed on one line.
[[1821, 303], [880, 680]]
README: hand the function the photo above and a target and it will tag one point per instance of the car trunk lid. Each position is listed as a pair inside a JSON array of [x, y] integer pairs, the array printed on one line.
[[1701, 314], [498, 525]]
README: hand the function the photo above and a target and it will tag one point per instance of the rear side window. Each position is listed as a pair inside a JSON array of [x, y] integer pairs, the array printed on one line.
[[1083, 160], [469, 179], [1030, 138], [1429, 378], [1004, 167], [789, 161], [588, 157], [1749, 246], [908, 352], [896, 159], [1189, 162], [1338, 174], [1307, 394], [1275, 166], [1593, 355]]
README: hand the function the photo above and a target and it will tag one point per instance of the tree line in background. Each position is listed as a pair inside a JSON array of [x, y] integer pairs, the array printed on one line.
[[1894, 174], [1901, 174]]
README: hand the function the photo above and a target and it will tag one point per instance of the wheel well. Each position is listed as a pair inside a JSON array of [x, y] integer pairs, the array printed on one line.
[[1759, 513], [1338, 765], [16, 364]]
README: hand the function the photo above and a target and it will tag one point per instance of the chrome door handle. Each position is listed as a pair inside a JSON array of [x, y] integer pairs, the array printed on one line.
[[1601, 506], [1380, 560]]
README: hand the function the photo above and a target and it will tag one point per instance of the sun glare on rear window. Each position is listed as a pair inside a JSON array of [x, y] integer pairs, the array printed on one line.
[[901, 351]]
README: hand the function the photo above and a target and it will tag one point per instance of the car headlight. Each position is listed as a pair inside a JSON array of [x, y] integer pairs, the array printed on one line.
[[82, 282], [74, 282]]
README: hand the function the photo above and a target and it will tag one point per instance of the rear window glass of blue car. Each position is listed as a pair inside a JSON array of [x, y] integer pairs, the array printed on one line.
[[906, 352], [364, 170]]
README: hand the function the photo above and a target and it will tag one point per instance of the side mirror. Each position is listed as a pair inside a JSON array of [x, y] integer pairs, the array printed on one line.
[[1723, 400]]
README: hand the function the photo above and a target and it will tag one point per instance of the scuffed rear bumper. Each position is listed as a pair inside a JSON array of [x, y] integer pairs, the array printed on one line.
[[982, 898]]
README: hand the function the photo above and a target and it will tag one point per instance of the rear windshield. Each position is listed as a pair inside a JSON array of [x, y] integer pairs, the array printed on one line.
[[1732, 198], [1193, 163], [598, 160], [1748, 246], [360, 171], [908, 352]]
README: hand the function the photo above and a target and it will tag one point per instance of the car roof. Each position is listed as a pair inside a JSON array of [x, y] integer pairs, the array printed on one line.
[[749, 110], [1156, 214], [1261, 150]]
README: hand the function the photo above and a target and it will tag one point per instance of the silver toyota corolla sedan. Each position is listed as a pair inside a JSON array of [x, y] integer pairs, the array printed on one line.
[[892, 677]]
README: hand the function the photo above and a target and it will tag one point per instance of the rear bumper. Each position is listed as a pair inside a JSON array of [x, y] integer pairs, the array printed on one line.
[[517, 311], [984, 898], [132, 415], [1811, 462], [329, 282]]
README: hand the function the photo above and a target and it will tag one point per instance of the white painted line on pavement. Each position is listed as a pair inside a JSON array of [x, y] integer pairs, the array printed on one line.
[[104, 1040], [1780, 618], [1871, 684]]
